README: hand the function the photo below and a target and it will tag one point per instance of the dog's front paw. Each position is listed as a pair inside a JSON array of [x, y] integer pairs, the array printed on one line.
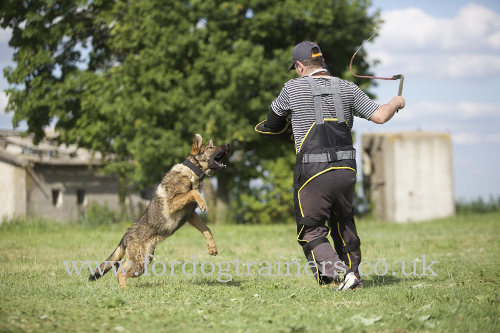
[[212, 250], [203, 206]]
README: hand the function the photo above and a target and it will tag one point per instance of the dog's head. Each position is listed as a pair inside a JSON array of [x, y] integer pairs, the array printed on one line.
[[208, 156]]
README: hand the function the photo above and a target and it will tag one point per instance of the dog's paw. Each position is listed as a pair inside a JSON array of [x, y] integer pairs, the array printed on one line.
[[212, 250], [203, 206]]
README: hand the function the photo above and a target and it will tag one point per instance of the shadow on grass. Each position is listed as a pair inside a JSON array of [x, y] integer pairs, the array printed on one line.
[[197, 282], [231, 283], [388, 280], [151, 284], [380, 281]]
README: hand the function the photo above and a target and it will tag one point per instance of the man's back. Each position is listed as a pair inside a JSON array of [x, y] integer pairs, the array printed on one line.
[[296, 97]]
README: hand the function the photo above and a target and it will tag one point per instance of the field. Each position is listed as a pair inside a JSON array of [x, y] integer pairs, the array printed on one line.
[[38, 294]]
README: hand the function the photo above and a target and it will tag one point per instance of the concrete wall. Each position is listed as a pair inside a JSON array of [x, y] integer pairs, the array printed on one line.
[[409, 176], [68, 180], [12, 191]]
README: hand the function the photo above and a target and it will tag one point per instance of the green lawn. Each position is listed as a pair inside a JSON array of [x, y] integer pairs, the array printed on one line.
[[37, 294]]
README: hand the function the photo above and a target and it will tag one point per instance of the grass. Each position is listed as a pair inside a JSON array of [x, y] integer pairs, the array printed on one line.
[[37, 294]]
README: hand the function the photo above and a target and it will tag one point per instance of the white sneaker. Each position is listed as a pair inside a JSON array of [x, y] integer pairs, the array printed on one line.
[[350, 282]]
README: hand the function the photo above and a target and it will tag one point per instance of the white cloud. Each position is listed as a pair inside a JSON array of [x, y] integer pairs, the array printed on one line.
[[411, 29], [3, 102], [465, 46], [458, 111], [495, 138], [466, 138], [5, 35], [470, 110], [470, 65], [5, 50], [445, 65], [473, 138]]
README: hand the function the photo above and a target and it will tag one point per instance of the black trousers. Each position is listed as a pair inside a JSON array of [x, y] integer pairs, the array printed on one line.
[[329, 197]]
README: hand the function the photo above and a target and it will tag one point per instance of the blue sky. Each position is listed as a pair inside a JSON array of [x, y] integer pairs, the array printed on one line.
[[449, 52]]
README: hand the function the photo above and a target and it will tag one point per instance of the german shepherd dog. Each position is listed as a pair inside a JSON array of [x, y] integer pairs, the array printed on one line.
[[173, 203]]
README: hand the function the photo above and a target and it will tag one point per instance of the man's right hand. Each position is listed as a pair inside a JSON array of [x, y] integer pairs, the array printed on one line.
[[386, 111], [398, 102]]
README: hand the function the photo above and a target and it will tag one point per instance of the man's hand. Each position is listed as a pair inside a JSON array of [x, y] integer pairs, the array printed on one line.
[[398, 102], [386, 111]]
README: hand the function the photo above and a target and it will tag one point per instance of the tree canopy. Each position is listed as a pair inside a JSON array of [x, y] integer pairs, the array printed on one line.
[[135, 80]]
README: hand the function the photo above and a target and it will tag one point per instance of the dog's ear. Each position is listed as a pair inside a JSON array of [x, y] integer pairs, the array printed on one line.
[[198, 141], [210, 143]]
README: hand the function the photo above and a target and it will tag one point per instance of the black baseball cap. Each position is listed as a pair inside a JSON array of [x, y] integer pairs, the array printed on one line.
[[304, 50]]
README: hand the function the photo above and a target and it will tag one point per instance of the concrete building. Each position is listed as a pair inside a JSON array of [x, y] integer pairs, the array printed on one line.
[[51, 181], [408, 176]]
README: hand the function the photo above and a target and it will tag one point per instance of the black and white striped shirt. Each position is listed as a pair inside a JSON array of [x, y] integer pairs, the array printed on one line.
[[296, 97]]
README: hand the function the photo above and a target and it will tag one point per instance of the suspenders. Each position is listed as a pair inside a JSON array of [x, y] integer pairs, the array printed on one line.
[[317, 92], [334, 90]]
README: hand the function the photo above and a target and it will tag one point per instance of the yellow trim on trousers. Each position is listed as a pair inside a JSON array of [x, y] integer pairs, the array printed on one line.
[[316, 175], [343, 242], [307, 133], [312, 252]]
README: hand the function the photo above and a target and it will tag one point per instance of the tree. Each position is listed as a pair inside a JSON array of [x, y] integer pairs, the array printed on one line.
[[158, 72]]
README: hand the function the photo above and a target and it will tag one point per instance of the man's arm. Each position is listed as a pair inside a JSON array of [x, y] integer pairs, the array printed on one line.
[[276, 122], [386, 111], [276, 126]]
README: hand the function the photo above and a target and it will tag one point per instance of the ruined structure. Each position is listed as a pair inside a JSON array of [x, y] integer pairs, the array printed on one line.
[[52, 181], [408, 176]]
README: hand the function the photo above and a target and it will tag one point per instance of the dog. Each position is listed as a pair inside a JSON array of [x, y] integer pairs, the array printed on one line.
[[173, 204]]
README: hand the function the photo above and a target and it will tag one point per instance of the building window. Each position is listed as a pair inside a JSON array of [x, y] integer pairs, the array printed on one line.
[[56, 198], [81, 198]]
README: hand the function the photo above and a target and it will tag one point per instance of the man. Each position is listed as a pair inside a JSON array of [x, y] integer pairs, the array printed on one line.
[[322, 110]]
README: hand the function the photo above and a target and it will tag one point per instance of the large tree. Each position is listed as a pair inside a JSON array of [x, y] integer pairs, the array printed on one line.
[[135, 80]]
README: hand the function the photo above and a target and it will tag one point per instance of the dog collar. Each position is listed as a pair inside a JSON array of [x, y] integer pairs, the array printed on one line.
[[197, 171]]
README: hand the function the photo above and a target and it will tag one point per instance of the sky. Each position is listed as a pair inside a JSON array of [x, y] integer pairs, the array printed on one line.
[[449, 52]]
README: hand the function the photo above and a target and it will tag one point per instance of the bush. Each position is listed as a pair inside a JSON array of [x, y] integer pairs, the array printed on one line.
[[479, 206], [97, 215], [31, 223]]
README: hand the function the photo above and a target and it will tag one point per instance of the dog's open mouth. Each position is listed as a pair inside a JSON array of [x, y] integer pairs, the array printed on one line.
[[216, 160]]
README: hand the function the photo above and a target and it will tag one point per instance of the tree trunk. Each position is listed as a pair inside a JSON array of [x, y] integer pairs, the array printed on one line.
[[222, 204], [210, 197]]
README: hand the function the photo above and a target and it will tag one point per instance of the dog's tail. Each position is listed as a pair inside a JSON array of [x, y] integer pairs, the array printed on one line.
[[113, 259]]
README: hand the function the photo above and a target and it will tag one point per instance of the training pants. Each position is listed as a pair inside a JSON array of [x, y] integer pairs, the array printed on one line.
[[329, 197]]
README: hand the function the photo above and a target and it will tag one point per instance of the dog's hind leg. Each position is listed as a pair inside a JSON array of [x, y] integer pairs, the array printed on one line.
[[122, 277], [130, 269], [134, 266], [198, 223]]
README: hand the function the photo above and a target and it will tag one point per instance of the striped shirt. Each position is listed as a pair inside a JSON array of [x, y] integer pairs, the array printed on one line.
[[296, 97]]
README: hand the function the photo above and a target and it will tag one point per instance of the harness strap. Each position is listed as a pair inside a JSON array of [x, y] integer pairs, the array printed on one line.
[[310, 222], [198, 172], [339, 109], [333, 89], [316, 92], [352, 245], [329, 156], [308, 247]]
